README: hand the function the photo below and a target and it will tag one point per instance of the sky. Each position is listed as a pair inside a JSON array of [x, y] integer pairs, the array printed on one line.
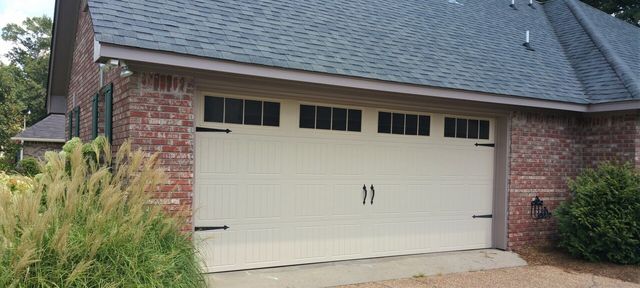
[[15, 11]]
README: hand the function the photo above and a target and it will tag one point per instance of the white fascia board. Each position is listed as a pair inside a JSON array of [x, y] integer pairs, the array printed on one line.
[[110, 51]]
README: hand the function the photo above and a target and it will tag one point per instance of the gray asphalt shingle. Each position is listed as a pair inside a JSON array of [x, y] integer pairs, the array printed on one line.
[[49, 128], [474, 46]]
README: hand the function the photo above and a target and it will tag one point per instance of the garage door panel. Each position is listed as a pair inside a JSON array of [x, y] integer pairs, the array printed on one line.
[[347, 240], [426, 198], [218, 202], [262, 245], [311, 158], [348, 199], [264, 157], [262, 201], [293, 195], [226, 152], [311, 200]]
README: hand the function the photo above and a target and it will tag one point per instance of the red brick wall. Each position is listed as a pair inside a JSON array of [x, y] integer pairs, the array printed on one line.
[[85, 83], [544, 155], [161, 121], [548, 149], [153, 110], [609, 137]]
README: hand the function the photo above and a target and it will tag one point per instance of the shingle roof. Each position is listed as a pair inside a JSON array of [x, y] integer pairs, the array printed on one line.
[[49, 128], [462, 44]]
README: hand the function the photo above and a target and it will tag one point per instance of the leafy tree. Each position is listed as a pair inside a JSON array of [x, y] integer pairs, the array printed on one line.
[[30, 54], [23, 82], [627, 10]]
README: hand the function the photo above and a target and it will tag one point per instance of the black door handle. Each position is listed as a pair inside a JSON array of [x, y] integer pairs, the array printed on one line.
[[373, 193], [364, 188]]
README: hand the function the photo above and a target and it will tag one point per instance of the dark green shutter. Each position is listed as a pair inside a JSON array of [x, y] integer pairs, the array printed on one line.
[[94, 117], [70, 124], [108, 117], [77, 110]]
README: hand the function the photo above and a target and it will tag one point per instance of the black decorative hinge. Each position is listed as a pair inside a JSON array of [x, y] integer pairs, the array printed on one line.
[[486, 145], [483, 216], [204, 228], [203, 129]]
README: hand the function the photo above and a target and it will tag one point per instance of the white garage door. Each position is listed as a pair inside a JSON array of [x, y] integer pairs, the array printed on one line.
[[293, 195]]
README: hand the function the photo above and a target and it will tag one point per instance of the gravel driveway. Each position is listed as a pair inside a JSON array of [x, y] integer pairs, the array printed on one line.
[[528, 276]]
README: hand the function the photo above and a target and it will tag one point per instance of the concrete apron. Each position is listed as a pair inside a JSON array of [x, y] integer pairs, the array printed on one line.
[[366, 270]]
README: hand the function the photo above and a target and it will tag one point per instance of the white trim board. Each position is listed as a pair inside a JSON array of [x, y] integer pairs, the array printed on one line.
[[104, 51]]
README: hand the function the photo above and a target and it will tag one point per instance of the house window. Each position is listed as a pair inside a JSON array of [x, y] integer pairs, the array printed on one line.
[[404, 124], [241, 111], [466, 128], [330, 118]]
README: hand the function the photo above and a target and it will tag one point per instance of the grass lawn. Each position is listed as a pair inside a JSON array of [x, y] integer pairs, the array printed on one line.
[[555, 257]]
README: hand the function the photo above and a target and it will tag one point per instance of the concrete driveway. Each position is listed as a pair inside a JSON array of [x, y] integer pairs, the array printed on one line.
[[523, 277], [367, 270]]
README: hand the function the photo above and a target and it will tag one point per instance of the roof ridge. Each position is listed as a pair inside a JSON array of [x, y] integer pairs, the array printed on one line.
[[622, 70]]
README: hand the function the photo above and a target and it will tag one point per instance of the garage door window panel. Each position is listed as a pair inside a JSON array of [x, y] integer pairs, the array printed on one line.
[[271, 115], [403, 124], [461, 128], [384, 122], [355, 120], [330, 118], [424, 125], [252, 112], [339, 119], [397, 123], [213, 109], [466, 128], [233, 111], [307, 116], [241, 111], [323, 118], [411, 125]]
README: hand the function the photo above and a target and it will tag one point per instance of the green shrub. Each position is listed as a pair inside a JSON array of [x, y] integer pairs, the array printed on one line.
[[88, 222], [28, 166], [602, 220]]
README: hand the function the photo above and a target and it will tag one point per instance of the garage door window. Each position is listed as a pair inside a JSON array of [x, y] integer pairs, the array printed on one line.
[[240, 111], [330, 118], [466, 128], [404, 124]]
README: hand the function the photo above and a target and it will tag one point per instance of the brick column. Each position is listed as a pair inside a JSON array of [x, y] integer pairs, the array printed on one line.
[[161, 120]]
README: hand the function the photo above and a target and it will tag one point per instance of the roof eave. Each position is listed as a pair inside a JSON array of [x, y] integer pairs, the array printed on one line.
[[45, 140], [104, 51], [64, 27]]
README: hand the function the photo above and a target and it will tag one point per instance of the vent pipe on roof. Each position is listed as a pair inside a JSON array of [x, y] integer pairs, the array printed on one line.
[[526, 42], [513, 5], [531, 4]]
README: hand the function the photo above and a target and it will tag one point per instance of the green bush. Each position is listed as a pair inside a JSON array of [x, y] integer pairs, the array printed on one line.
[[87, 221], [602, 220], [28, 166]]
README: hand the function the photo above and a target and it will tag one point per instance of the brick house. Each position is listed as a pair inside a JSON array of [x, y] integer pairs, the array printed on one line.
[[331, 130], [47, 134]]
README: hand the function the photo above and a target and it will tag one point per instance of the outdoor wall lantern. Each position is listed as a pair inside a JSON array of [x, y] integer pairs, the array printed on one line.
[[538, 210]]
